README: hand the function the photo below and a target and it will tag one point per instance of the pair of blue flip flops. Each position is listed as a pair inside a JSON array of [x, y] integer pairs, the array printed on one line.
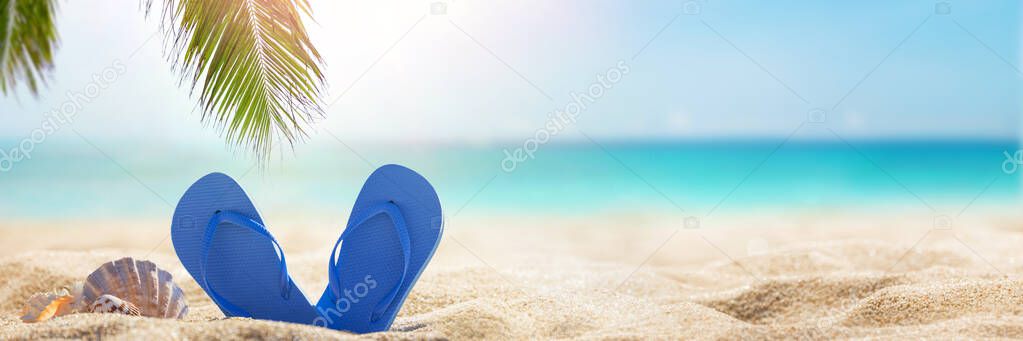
[[393, 230]]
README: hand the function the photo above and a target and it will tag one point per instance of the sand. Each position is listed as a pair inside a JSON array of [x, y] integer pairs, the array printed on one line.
[[611, 277]]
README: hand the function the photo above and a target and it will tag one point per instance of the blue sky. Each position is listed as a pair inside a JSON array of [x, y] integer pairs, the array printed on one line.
[[493, 71]]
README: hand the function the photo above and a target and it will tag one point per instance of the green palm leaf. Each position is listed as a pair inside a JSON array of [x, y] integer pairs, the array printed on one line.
[[27, 41], [257, 74]]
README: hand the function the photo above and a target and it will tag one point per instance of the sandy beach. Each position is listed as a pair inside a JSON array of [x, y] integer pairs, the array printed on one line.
[[612, 277]]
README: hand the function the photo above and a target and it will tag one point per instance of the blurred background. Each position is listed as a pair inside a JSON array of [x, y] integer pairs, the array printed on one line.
[[570, 108]]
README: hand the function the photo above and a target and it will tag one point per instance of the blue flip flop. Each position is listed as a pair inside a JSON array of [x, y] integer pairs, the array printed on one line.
[[393, 231], [222, 242]]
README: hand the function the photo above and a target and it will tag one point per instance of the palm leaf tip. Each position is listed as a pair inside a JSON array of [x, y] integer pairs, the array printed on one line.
[[28, 38], [257, 75]]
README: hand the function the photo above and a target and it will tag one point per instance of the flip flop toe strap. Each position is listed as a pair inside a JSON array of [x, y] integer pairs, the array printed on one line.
[[398, 221], [240, 220]]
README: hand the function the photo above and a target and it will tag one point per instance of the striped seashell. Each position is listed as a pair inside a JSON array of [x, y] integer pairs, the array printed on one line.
[[112, 304], [150, 289]]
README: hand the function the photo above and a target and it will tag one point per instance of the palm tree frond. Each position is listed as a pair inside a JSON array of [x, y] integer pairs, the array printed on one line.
[[257, 75], [28, 39]]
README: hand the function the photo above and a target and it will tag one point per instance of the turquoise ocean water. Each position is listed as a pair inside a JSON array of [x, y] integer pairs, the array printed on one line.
[[111, 179]]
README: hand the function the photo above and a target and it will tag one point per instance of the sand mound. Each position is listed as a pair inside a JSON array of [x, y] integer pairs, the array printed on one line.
[[931, 302], [794, 300]]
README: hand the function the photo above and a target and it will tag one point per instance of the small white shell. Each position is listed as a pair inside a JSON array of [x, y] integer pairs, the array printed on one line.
[[151, 289], [112, 304]]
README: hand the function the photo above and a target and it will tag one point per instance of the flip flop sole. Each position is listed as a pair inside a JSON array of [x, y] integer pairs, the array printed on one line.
[[370, 260], [243, 267]]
